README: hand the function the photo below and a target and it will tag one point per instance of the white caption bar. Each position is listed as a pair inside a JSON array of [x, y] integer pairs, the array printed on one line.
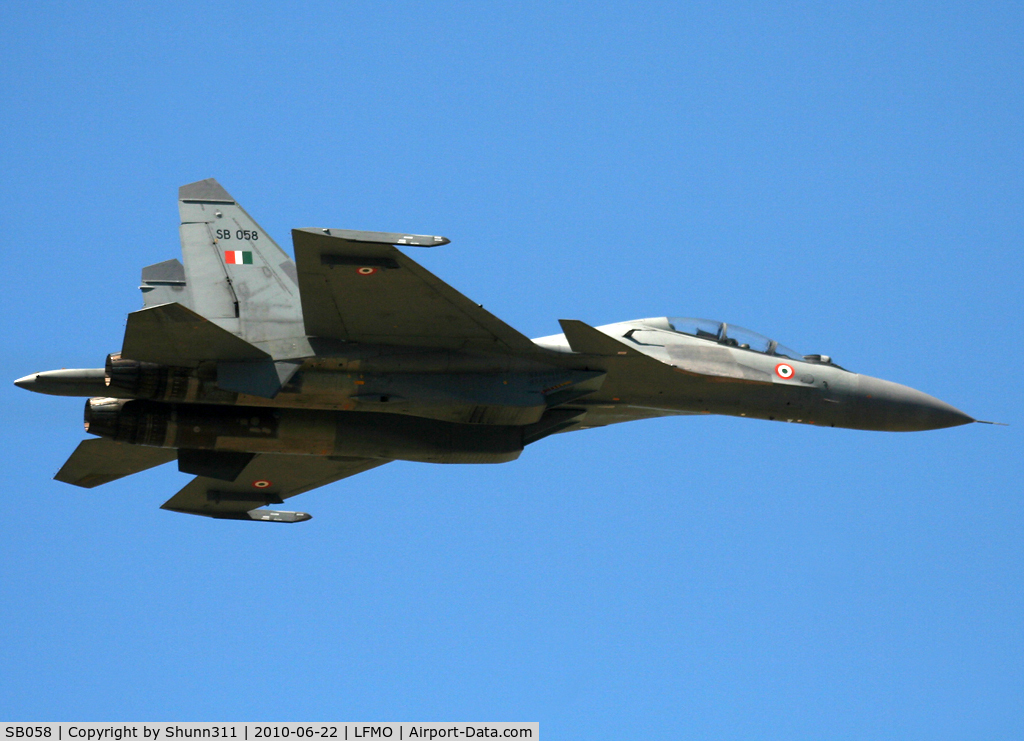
[[263, 731]]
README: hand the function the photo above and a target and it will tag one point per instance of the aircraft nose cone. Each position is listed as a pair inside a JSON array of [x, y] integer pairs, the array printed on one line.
[[891, 406], [26, 382]]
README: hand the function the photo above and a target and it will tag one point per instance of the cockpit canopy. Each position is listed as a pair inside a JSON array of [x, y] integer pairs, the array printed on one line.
[[731, 335]]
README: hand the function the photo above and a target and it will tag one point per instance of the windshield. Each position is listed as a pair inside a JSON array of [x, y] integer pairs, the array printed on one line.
[[731, 335]]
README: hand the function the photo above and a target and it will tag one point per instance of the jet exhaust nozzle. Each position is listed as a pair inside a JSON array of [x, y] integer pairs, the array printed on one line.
[[127, 421], [143, 380]]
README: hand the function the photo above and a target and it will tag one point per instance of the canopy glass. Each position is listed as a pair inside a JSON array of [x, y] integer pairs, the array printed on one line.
[[731, 335]]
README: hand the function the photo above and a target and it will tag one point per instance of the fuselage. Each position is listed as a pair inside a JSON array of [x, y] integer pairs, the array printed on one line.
[[265, 375], [432, 405], [720, 375]]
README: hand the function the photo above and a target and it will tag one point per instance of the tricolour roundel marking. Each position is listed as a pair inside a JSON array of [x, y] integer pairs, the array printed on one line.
[[261, 484], [367, 270], [784, 370]]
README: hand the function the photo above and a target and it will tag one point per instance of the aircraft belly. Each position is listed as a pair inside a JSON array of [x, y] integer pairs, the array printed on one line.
[[301, 431], [485, 398], [470, 398], [601, 415], [417, 439]]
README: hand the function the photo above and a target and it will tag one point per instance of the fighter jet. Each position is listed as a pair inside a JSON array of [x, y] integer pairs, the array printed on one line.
[[266, 377]]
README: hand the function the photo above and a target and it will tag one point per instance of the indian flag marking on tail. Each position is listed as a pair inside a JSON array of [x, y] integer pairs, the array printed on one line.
[[237, 257]]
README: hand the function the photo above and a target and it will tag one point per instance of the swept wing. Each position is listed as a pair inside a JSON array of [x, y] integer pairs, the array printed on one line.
[[269, 478], [358, 287]]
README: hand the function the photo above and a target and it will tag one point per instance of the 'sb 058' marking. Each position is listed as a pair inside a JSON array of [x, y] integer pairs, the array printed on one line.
[[249, 234]]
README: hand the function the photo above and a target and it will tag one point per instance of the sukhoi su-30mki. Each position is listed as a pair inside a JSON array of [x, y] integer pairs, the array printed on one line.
[[266, 377]]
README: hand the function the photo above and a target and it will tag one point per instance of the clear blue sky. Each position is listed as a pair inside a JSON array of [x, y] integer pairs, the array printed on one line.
[[846, 178]]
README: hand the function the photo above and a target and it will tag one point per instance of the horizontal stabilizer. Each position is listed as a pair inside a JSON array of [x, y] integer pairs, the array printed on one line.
[[98, 461], [171, 334]]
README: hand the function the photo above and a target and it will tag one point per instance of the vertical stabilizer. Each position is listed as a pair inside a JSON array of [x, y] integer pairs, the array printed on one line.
[[237, 276]]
